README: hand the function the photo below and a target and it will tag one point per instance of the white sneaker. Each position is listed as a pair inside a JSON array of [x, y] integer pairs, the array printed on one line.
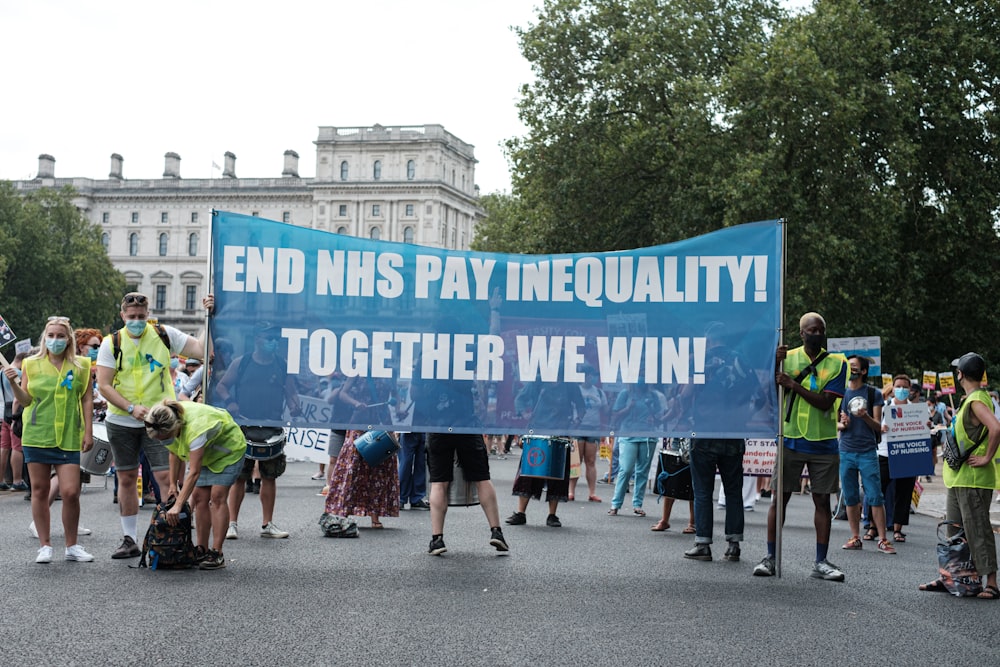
[[232, 533], [44, 555], [270, 530], [33, 530], [78, 553], [83, 532]]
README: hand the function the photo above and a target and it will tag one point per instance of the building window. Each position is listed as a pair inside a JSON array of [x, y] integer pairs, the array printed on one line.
[[376, 210], [161, 297], [375, 234], [341, 230], [194, 217], [164, 217], [193, 245], [444, 234], [409, 210], [105, 217], [408, 234], [135, 216], [286, 216], [342, 211], [163, 245], [411, 170], [105, 241], [133, 244], [344, 170], [255, 214], [322, 209], [453, 239], [453, 177], [463, 182], [377, 170], [189, 297]]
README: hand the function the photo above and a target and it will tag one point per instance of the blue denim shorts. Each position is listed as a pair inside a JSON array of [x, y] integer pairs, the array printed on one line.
[[865, 464], [224, 478], [52, 456]]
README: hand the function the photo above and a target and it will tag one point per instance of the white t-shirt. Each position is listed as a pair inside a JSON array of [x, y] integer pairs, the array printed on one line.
[[106, 358]]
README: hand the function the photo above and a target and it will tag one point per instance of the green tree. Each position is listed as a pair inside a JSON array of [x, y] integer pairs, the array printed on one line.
[[52, 263], [870, 126]]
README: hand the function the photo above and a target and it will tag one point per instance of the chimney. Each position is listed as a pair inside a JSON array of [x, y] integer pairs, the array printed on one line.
[[116, 167], [291, 164], [229, 171], [172, 165], [46, 166]]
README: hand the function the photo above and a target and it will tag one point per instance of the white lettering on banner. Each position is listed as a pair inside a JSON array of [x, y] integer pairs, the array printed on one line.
[[442, 356], [592, 280]]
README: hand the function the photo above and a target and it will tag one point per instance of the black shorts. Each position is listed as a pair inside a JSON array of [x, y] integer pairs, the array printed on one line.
[[471, 451]]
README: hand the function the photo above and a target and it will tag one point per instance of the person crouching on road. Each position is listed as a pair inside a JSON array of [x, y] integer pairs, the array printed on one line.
[[212, 444]]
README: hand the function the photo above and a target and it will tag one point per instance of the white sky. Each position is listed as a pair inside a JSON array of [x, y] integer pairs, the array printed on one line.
[[83, 80]]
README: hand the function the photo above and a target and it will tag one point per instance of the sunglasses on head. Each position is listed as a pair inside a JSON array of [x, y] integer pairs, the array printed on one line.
[[137, 299], [156, 427], [58, 318]]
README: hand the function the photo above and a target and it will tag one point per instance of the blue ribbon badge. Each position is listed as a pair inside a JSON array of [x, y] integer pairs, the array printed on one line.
[[67, 381], [153, 363]]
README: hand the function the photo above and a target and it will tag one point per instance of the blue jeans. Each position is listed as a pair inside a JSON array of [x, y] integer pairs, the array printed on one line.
[[726, 455], [412, 468], [634, 458]]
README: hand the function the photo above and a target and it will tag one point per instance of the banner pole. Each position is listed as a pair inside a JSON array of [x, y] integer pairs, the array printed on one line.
[[206, 362], [778, 495]]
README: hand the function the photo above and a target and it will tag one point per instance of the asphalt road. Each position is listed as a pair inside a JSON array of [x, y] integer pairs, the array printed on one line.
[[599, 591]]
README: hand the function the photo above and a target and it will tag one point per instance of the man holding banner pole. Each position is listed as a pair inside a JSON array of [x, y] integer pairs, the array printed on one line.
[[812, 379]]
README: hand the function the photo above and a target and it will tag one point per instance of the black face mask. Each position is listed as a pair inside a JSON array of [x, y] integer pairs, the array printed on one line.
[[814, 341], [855, 376]]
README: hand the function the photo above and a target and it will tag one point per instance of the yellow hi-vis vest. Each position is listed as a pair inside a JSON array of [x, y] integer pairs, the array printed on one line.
[[806, 421], [144, 378], [55, 416], [985, 477], [225, 445]]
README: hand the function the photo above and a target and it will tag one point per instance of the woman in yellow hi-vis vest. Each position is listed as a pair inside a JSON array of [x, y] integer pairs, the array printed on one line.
[[55, 391], [212, 444]]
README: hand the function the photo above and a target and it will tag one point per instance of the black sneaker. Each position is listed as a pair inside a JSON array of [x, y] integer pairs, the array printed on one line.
[[248, 487], [517, 519], [766, 493], [699, 552], [127, 549], [732, 552], [497, 540], [213, 560], [420, 505], [437, 546], [256, 486], [200, 553], [553, 521]]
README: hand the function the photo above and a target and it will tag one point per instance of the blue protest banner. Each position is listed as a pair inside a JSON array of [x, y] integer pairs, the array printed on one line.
[[679, 338]]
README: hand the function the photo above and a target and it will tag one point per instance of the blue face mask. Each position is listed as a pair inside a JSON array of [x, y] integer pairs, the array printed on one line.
[[269, 345], [174, 363], [55, 345], [136, 327], [901, 393], [92, 354]]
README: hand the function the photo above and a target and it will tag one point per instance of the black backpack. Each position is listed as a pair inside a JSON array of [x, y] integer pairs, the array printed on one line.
[[169, 547]]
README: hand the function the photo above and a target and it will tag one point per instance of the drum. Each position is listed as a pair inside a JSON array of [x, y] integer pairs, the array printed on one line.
[[98, 460], [264, 442], [544, 456], [376, 446], [460, 492]]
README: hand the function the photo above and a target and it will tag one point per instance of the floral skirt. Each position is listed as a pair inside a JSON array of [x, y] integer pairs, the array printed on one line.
[[358, 489]]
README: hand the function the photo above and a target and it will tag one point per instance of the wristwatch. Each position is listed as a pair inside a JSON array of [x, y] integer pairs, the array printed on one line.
[[130, 408]]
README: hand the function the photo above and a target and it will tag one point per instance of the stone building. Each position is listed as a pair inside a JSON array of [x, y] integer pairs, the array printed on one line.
[[412, 184]]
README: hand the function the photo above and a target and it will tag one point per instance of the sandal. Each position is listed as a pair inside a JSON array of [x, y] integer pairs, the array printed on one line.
[[377, 524], [853, 544], [936, 585], [612, 512], [638, 511], [689, 529], [660, 526], [989, 593], [595, 499], [899, 536], [870, 535]]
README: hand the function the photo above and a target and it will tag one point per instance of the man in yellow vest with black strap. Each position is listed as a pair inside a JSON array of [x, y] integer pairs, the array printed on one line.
[[814, 380], [133, 373]]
